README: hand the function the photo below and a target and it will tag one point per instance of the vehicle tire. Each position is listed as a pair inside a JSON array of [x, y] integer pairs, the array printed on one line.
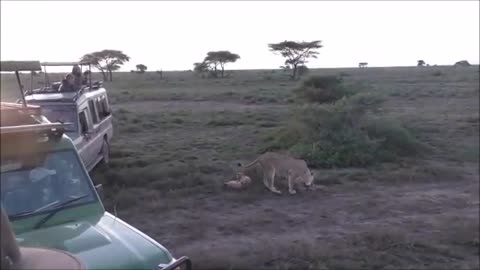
[[105, 152]]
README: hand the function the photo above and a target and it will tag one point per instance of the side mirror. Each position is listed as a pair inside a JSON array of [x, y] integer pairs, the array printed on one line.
[[99, 189], [182, 263], [87, 135]]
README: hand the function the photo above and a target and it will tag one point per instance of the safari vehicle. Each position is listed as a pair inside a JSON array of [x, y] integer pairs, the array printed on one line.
[[52, 202], [87, 108]]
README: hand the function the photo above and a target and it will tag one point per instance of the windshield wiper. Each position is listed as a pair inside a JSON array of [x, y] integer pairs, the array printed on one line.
[[56, 210], [27, 213], [22, 214]]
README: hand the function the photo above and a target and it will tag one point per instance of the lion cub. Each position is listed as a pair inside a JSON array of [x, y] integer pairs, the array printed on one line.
[[241, 181], [273, 164]]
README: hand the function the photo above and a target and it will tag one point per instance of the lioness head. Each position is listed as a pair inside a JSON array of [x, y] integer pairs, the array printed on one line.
[[309, 179]]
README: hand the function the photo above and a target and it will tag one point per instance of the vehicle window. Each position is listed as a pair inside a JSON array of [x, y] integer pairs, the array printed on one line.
[[104, 102], [56, 178], [93, 111], [83, 122], [99, 107], [62, 113]]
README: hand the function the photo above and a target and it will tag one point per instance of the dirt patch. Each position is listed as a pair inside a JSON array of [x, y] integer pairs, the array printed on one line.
[[394, 220]]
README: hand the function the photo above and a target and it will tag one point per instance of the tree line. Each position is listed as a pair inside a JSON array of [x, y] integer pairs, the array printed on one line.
[[296, 55]]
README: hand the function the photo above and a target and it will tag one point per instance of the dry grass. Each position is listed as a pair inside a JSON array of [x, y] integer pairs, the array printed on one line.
[[178, 138]]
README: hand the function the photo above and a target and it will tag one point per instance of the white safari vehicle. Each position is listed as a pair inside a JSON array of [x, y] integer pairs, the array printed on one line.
[[87, 108]]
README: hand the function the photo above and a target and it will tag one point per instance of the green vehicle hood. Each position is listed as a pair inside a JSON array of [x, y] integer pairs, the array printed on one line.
[[104, 242]]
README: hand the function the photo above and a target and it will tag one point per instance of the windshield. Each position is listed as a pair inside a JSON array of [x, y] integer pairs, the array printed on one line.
[[62, 113], [30, 189]]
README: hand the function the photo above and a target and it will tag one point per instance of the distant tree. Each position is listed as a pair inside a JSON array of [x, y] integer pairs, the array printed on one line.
[[141, 68], [362, 64], [200, 67], [463, 63], [34, 73], [106, 61], [160, 72], [220, 58], [296, 53], [420, 63]]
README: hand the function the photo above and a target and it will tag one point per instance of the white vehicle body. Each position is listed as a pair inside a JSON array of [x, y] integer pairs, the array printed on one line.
[[89, 111]]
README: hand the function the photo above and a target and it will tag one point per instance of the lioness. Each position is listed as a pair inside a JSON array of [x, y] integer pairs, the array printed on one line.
[[295, 170]]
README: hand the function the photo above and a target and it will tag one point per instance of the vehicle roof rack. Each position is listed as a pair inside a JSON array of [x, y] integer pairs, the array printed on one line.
[[17, 119], [16, 108], [40, 128], [60, 64], [71, 97], [17, 66], [10, 66]]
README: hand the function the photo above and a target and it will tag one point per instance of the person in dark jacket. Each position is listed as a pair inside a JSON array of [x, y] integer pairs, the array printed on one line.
[[78, 76], [68, 84]]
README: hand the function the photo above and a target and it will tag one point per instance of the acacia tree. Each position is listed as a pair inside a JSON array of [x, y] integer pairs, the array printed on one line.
[[201, 68], [141, 68], [296, 53], [220, 58], [106, 61], [420, 63]]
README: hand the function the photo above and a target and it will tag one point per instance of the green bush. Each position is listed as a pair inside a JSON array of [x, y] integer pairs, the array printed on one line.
[[437, 73], [393, 137], [346, 133], [322, 89]]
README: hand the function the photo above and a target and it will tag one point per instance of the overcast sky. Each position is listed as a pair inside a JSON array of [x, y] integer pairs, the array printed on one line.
[[173, 35]]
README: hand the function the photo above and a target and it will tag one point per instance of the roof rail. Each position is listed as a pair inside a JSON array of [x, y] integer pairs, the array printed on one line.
[[14, 114], [16, 119], [61, 64], [6, 107], [41, 127], [9, 66]]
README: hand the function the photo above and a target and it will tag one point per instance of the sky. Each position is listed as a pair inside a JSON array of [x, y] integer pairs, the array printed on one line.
[[166, 35]]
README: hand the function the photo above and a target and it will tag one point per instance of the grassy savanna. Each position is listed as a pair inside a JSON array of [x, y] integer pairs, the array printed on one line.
[[177, 139]]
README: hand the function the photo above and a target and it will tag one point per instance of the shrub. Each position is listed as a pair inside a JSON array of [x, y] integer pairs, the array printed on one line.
[[321, 89], [437, 73], [393, 137], [342, 134], [302, 70]]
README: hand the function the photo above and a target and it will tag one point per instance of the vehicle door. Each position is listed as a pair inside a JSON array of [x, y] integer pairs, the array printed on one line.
[[84, 141], [96, 133], [105, 117]]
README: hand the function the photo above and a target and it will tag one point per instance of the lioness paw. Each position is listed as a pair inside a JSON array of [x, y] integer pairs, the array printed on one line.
[[276, 191], [292, 191]]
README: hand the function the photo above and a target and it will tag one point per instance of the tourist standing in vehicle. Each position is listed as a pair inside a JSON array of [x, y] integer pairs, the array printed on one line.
[[85, 77], [67, 84], [77, 73]]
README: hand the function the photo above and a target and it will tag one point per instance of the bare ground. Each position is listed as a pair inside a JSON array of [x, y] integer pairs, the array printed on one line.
[[371, 224]]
